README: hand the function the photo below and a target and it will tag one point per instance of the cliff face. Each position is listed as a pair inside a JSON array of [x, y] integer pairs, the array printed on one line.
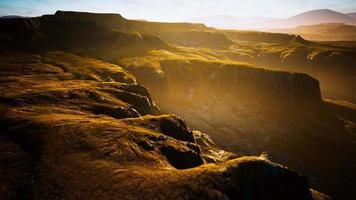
[[202, 82], [332, 66]]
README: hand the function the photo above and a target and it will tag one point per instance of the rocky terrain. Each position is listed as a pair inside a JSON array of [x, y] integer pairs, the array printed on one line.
[[95, 105], [75, 127]]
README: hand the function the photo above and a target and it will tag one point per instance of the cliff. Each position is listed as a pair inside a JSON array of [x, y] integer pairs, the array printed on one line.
[[198, 81]]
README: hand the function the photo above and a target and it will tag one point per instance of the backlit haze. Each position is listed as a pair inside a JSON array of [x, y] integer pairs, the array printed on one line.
[[175, 10]]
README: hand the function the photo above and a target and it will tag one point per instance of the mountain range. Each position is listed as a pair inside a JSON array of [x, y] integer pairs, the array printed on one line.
[[306, 18]]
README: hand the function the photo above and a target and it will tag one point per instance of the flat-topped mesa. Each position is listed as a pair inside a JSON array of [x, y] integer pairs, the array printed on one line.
[[104, 36], [118, 22], [109, 20], [87, 14]]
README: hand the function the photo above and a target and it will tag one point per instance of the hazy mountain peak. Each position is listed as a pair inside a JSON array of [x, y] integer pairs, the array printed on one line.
[[321, 13], [320, 16]]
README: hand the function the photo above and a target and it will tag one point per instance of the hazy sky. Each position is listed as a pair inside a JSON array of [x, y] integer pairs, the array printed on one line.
[[175, 10]]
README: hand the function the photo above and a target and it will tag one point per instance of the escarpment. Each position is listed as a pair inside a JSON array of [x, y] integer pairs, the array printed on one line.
[[202, 82]]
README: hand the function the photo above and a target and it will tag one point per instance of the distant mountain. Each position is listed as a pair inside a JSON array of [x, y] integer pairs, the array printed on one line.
[[11, 17], [352, 15], [318, 17], [312, 17], [323, 32]]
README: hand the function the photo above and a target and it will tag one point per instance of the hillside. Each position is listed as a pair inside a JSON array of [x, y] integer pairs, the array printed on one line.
[[96, 97]]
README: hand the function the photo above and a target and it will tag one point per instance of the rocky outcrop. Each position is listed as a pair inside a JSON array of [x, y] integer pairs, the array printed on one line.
[[171, 126], [211, 152]]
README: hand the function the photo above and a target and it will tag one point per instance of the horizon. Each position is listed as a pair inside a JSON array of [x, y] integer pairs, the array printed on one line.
[[173, 11]]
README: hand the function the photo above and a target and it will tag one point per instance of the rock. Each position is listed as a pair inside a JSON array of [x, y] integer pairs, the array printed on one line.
[[182, 158]]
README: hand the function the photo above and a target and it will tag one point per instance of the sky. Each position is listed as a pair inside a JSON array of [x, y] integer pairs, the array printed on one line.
[[175, 10]]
